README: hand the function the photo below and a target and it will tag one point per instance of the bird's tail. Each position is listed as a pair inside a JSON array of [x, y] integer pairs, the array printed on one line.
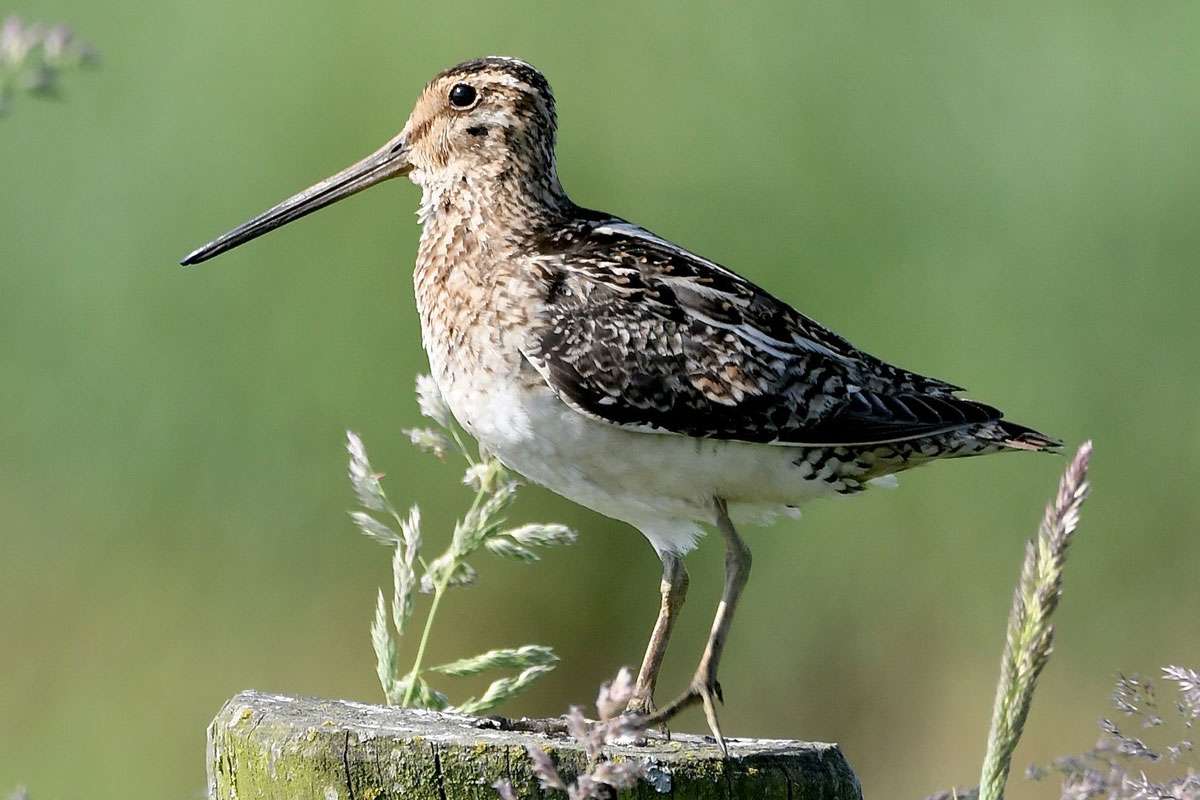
[[1019, 437]]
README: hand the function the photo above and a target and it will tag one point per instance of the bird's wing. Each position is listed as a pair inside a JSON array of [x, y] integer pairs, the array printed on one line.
[[643, 334]]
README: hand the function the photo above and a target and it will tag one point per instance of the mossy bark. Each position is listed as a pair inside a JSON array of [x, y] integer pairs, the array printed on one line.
[[271, 746]]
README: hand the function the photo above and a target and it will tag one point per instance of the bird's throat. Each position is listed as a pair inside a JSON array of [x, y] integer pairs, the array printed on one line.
[[507, 198]]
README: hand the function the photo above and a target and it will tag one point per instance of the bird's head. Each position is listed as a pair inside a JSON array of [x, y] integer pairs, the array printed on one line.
[[487, 123], [487, 119]]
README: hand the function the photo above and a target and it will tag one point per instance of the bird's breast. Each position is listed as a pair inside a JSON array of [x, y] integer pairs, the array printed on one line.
[[476, 311]]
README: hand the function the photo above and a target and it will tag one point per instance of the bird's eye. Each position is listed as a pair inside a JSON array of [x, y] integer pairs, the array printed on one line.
[[462, 95]]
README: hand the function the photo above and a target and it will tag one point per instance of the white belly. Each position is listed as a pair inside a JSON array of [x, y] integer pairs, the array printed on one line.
[[662, 484]]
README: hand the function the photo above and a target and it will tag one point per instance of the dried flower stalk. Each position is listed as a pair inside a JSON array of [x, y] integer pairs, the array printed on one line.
[[603, 778], [1115, 769]]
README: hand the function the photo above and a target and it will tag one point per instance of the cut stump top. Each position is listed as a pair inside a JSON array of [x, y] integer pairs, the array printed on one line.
[[274, 746]]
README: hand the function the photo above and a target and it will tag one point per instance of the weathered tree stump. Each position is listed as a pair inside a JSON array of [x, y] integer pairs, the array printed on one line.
[[272, 746]]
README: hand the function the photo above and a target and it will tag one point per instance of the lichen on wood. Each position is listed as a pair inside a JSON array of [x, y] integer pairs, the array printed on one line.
[[272, 746]]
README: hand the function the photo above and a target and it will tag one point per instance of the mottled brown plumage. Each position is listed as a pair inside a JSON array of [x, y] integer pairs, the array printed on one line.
[[621, 370]]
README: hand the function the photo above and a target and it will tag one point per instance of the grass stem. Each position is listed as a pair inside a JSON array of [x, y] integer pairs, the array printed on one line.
[[1030, 635], [415, 673]]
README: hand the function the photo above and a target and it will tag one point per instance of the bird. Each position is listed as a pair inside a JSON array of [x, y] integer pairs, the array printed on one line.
[[623, 371]]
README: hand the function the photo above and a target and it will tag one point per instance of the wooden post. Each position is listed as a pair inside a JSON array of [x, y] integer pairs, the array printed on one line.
[[272, 746]]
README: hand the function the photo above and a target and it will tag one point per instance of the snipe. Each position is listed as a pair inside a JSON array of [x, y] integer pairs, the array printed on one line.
[[622, 371]]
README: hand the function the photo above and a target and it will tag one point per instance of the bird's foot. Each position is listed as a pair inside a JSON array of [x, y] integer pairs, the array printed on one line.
[[705, 690], [642, 707]]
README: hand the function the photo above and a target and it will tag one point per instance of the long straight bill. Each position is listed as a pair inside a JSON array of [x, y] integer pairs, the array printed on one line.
[[389, 161]]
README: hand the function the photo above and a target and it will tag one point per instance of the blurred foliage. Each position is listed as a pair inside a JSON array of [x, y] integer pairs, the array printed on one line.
[[33, 57], [1004, 196]]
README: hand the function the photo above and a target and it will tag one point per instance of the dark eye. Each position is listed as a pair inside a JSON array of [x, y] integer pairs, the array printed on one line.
[[462, 95]]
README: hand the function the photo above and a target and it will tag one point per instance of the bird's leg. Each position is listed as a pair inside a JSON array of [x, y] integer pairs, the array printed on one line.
[[674, 588], [704, 688]]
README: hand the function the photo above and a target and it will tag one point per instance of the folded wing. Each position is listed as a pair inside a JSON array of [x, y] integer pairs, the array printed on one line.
[[640, 333]]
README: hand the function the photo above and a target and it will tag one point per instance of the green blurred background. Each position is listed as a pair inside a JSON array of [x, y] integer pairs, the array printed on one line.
[[1006, 198]]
